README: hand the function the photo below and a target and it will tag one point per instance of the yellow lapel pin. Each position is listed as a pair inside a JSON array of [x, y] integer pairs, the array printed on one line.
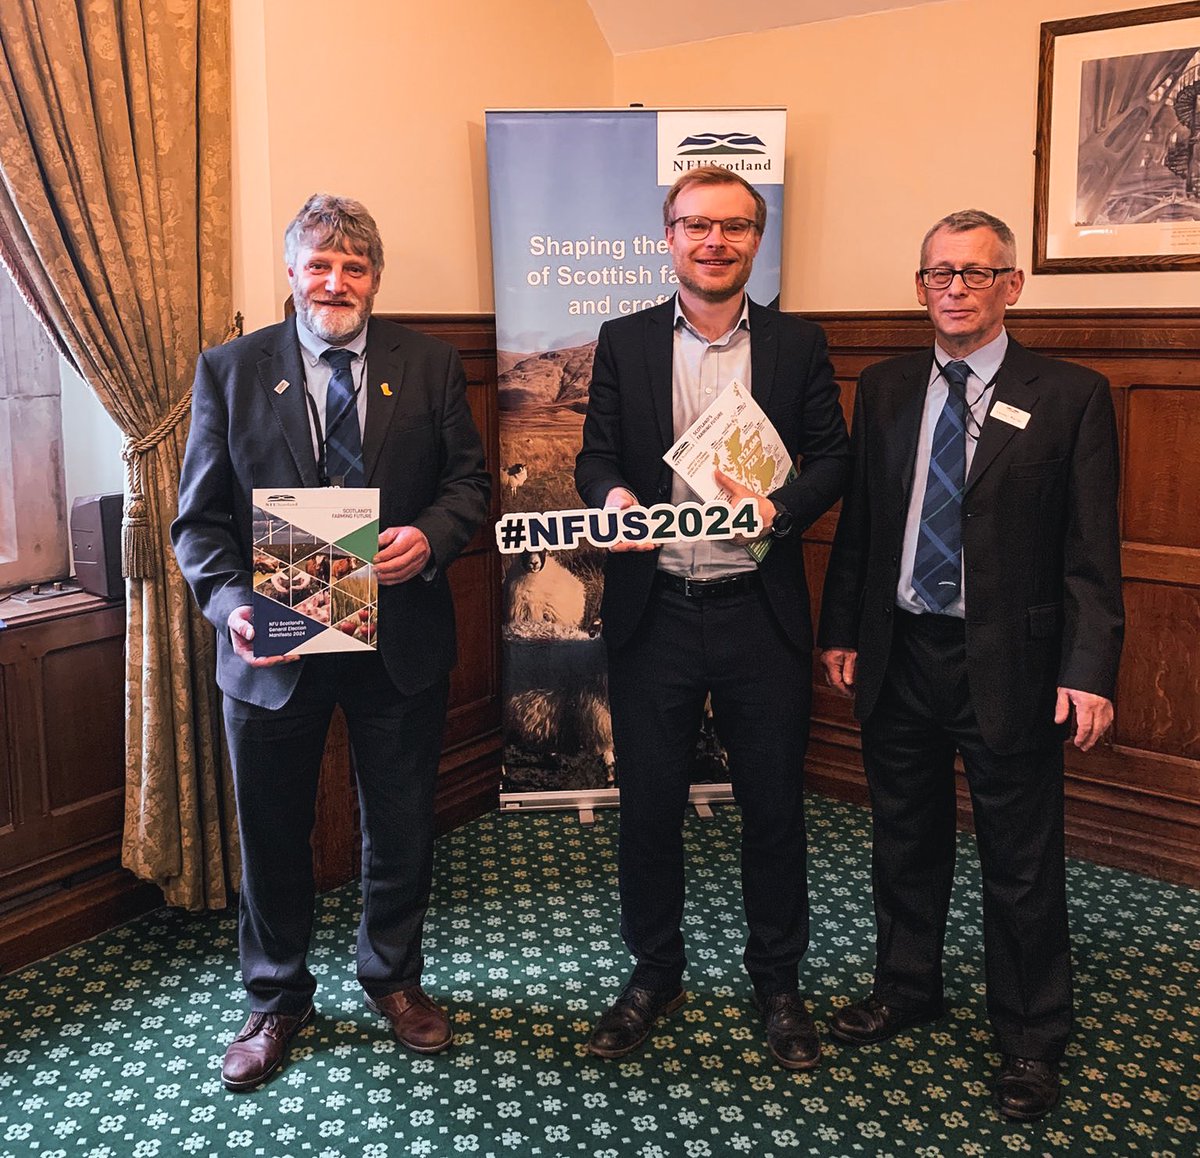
[[387, 390]]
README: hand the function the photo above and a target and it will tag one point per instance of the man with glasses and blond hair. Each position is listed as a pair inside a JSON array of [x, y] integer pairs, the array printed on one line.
[[333, 396], [687, 622], [972, 605]]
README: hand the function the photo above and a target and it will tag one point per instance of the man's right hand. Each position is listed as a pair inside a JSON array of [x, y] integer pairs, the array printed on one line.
[[241, 635], [622, 498], [839, 665]]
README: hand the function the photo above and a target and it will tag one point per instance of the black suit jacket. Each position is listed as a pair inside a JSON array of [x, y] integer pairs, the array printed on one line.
[[1041, 548], [629, 427], [420, 447]]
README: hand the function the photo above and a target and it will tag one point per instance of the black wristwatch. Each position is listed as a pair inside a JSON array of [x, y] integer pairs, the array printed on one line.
[[781, 524]]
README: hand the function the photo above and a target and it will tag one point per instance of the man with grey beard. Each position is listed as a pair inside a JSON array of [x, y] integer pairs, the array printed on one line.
[[333, 397]]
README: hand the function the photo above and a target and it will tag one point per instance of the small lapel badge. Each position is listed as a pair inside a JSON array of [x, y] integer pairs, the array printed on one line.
[[281, 385], [387, 390]]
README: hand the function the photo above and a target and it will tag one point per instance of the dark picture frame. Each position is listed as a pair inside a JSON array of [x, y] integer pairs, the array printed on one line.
[[1117, 160]]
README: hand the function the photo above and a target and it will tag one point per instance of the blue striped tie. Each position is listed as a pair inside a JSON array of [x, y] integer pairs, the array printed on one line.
[[343, 439], [937, 569]]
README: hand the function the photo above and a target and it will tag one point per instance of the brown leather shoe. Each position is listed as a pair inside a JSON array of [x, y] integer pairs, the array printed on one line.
[[418, 1022], [871, 1020], [625, 1024], [791, 1035], [260, 1047], [1027, 1089]]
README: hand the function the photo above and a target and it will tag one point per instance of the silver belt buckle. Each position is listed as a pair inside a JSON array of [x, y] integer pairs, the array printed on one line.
[[688, 582]]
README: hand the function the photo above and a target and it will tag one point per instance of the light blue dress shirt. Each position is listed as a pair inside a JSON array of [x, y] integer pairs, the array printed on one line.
[[985, 365]]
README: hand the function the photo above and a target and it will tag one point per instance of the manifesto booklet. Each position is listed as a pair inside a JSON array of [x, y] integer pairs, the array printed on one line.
[[314, 586], [733, 435]]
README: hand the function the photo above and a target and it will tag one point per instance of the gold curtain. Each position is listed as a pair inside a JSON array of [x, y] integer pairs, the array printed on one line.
[[115, 223]]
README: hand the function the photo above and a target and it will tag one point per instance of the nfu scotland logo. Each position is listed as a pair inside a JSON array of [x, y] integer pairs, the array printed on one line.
[[719, 148], [751, 142], [711, 144]]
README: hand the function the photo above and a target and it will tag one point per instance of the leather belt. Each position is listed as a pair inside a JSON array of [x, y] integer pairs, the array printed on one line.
[[691, 588]]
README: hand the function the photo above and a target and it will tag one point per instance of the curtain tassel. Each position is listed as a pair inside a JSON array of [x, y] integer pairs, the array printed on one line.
[[137, 560], [137, 548]]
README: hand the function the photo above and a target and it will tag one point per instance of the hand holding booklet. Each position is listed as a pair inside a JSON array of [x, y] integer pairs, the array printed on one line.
[[735, 436], [314, 586]]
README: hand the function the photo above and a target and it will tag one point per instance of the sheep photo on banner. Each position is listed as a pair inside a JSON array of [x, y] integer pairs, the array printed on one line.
[[577, 238]]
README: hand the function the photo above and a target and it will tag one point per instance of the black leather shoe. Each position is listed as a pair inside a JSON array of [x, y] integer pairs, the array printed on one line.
[[791, 1035], [626, 1023], [871, 1020], [1027, 1089]]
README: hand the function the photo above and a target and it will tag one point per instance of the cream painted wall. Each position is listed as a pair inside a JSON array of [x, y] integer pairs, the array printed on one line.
[[254, 235], [388, 105], [877, 151], [385, 102]]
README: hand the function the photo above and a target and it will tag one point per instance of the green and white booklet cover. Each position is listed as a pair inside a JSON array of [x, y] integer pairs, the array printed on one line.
[[314, 586]]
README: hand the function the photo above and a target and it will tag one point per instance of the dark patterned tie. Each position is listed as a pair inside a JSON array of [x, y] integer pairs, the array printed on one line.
[[937, 569], [343, 439]]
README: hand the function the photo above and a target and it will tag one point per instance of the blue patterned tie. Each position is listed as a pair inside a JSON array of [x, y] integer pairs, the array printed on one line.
[[343, 439], [937, 569]]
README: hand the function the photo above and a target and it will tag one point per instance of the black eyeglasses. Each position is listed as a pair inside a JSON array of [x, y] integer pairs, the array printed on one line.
[[698, 228], [941, 277]]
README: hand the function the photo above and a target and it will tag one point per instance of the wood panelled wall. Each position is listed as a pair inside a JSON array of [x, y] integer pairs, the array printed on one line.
[[62, 784], [469, 782], [1134, 801], [469, 776]]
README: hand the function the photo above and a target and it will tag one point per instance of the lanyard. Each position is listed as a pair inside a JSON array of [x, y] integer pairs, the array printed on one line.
[[322, 438], [969, 419]]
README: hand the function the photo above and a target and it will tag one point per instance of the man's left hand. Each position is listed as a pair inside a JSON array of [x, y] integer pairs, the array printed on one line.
[[762, 504], [1093, 715], [403, 554]]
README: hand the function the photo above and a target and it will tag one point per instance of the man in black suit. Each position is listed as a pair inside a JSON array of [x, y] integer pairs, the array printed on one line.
[[277, 409], [686, 622], [973, 604]]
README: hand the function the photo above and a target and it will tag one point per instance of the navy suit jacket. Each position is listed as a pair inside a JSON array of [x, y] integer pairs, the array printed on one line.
[[420, 448], [629, 427], [1041, 546]]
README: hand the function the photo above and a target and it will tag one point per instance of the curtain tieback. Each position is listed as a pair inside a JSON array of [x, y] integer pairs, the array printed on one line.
[[137, 556], [136, 552]]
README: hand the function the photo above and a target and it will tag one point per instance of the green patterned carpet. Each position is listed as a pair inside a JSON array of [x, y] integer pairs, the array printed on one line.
[[113, 1048]]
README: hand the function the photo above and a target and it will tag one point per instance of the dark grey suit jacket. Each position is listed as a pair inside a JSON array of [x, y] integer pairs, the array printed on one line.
[[629, 427], [420, 447], [1041, 546]]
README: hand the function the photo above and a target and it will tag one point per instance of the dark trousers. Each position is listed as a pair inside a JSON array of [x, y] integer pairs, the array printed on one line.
[[395, 745], [731, 648], [923, 717]]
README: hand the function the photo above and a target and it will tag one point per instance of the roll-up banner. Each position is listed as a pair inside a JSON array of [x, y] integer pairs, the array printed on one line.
[[577, 238]]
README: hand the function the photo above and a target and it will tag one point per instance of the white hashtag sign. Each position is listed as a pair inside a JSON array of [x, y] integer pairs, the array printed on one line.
[[607, 526]]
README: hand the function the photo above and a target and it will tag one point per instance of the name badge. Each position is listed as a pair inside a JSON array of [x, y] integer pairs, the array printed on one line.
[[1011, 415]]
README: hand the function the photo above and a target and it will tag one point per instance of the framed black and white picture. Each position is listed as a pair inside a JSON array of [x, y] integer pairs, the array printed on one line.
[[1117, 184]]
